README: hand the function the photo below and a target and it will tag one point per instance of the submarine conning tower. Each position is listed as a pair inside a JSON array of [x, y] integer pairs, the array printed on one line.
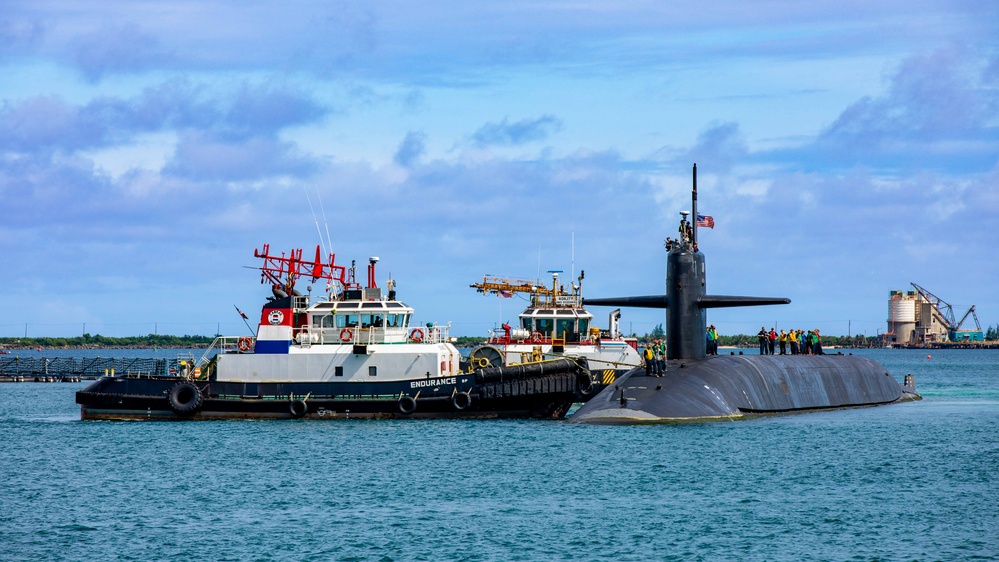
[[686, 300]]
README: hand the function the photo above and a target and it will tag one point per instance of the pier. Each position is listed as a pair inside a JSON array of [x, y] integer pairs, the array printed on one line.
[[68, 369]]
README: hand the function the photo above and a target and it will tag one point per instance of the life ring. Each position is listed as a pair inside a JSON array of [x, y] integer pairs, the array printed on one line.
[[244, 344], [461, 400], [416, 335], [536, 337], [298, 408], [185, 398], [407, 404], [346, 334]]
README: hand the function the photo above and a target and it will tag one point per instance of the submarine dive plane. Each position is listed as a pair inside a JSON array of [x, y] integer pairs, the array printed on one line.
[[697, 387]]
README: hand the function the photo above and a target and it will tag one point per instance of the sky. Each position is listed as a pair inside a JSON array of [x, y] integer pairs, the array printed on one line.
[[845, 149]]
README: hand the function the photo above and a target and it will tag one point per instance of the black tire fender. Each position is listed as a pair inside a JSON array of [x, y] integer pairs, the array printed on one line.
[[407, 404], [298, 408], [185, 398], [461, 400]]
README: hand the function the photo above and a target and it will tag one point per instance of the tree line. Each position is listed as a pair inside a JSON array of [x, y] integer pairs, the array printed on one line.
[[187, 341], [87, 340]]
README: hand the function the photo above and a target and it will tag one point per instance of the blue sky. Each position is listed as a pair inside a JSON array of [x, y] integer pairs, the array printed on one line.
[[844, 148]]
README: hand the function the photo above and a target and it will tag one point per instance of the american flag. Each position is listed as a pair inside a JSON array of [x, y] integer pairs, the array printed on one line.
[[505, 294], [705, 220]]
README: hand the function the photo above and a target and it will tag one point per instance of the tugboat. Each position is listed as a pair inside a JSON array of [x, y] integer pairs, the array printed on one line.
[[351, 352], [555, 324]]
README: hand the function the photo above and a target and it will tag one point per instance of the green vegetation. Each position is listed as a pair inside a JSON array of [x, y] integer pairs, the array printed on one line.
[[88, 341], [158, 340]]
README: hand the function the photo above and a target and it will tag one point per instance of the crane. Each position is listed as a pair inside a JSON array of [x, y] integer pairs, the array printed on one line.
[[945, 314]]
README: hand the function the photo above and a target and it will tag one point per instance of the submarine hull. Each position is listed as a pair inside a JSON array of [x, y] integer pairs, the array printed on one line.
[[738, 386]]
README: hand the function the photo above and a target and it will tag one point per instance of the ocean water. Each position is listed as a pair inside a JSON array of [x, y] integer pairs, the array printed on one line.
[[915, 481]]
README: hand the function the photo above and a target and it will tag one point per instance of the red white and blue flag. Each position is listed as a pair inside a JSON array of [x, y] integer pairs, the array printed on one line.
[[705, 220], [505, 294]]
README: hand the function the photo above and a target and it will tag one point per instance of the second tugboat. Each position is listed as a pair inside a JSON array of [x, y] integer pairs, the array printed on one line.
[[351, 354], [555, 325]]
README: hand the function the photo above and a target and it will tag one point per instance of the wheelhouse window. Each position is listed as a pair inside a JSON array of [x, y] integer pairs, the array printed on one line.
[[564, 325], [346, 320], [544, 325], [371, 321]]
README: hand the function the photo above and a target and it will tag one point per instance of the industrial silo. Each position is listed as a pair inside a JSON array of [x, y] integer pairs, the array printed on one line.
[[901, 317]]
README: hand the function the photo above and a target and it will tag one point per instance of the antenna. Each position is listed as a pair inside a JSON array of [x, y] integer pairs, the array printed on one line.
[[572, 255], [329, 241], [315, 219], [539, 260], [693, 209]]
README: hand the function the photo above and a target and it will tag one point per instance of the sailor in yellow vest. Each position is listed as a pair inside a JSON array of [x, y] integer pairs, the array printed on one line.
[[783, 342]]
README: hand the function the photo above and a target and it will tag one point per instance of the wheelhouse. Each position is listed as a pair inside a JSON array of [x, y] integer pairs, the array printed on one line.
[[380, 321], [561, 323]]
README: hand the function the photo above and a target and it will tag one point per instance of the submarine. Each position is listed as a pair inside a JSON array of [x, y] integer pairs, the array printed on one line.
[[697, 387]]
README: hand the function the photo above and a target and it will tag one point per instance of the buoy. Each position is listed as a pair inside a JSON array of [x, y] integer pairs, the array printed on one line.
[[928, 356]]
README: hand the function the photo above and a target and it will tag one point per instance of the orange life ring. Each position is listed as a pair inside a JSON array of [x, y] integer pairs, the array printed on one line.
[[416, 335], [346, 334], [244, 344]]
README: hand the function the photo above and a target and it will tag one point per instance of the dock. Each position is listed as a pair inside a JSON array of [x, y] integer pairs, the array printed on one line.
[[14, 368]]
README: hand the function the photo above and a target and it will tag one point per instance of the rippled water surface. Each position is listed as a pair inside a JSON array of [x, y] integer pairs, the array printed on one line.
[[916, 481]]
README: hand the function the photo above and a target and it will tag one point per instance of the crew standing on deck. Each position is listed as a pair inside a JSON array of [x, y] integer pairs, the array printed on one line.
[[659, 352], [650, 359], [792, 337], [783, 342], [772, 340], [762, 336]]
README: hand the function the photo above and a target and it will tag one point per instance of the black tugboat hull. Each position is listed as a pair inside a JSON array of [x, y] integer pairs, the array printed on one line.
[[543, 396]]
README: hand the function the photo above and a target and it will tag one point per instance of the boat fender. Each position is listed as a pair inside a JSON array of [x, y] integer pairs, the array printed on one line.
[[298, 408], [461, 400], [584, 384], [185, 398], [407, 404], [346, 334], [416, 335], [244, 344]]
